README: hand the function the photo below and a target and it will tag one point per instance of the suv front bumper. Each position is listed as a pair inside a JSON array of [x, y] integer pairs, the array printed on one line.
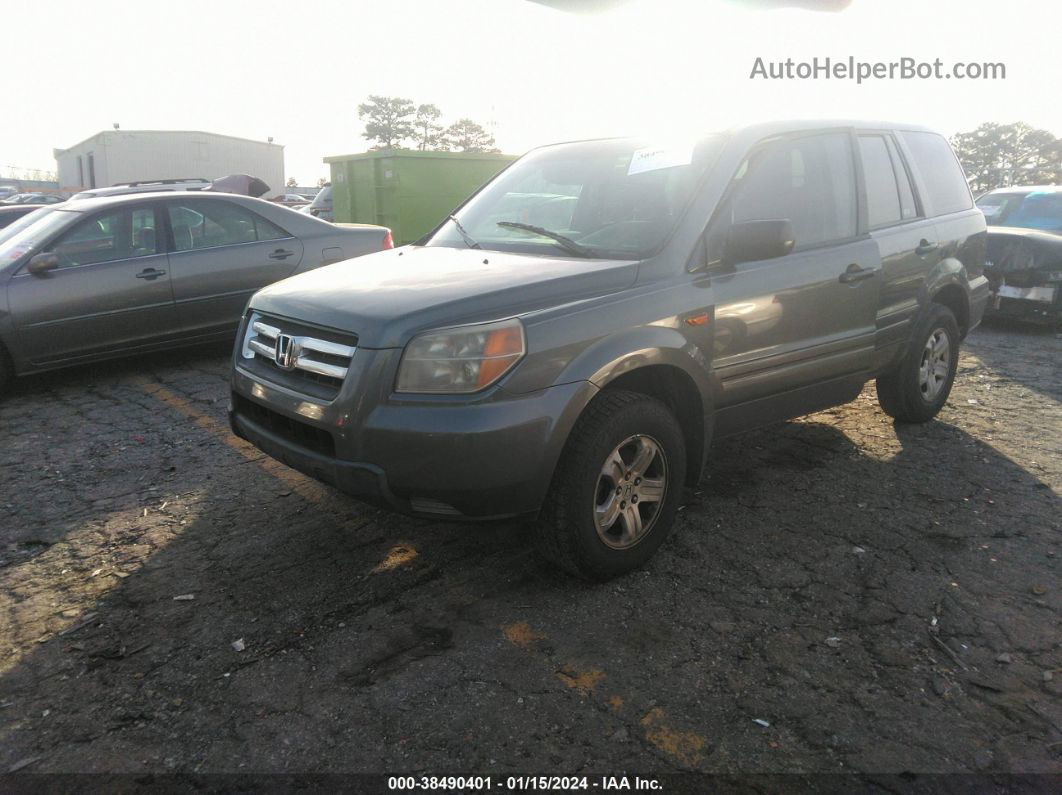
[[471, 457]]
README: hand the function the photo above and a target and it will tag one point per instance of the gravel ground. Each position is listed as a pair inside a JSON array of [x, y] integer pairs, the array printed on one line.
[[839, 594]]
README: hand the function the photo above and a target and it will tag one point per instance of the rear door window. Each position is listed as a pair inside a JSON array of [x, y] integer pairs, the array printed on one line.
[[890, 199], [945, 184], [908, 207], [268, 231], [209, 224], [883, 194]]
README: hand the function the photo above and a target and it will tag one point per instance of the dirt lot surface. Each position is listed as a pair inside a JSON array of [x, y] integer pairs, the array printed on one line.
[[839, 594]]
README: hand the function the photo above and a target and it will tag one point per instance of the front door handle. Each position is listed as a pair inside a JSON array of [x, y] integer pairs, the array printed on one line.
[[281, 254], [925, 247], [150, 273], [854, 273]]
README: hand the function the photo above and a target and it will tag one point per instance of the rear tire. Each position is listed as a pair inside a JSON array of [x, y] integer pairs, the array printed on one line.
[[617, 487], [918, 388]]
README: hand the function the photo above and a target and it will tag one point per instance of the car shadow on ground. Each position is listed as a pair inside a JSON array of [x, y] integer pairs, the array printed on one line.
[[995, 343], [36, 385], [220, 611]]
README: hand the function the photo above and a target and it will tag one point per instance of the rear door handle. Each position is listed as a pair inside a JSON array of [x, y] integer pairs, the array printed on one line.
[[925, 247], [281, 254], [150, 273], [856, 274]]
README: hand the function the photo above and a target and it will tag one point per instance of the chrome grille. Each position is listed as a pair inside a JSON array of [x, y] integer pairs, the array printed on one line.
[[292, 352]]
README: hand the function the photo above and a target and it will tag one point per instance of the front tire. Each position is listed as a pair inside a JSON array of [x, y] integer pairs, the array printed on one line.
[[617, 487], [918, 388]]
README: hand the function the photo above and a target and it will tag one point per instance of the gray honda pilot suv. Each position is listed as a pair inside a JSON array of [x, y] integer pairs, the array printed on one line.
[[568, 343]]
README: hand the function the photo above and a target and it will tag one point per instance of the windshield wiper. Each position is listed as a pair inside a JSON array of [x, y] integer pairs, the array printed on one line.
[[469, 240], [578, 249]]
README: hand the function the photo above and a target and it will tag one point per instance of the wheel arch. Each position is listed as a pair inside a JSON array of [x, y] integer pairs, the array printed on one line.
[[956, 299], [655, 360], [676, 389], [948, 285]]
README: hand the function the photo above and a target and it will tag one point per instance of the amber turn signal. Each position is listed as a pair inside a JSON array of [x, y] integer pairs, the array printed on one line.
[[503, 347]]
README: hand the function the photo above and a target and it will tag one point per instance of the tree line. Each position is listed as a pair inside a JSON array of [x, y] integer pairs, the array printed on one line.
[[294, 183], [1000, 155], [399, 123], [31, 174]]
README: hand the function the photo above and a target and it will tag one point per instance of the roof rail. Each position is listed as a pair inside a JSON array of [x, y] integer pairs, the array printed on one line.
[[160, 182]]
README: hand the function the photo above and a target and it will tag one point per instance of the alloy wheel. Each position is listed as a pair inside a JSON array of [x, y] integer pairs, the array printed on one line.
[[630, 491], [935, 366]]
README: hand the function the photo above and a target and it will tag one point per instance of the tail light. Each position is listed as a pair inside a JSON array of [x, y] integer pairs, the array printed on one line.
[[388, 241]]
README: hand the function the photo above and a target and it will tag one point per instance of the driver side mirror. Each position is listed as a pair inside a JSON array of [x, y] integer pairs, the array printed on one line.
[[42, 263], [752, 241]]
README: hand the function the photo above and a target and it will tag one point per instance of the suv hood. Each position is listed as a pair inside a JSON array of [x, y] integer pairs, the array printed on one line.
[[387, 297]]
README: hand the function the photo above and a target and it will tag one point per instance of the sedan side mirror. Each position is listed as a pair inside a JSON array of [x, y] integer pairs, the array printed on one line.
[[752, 241], [43, 262]]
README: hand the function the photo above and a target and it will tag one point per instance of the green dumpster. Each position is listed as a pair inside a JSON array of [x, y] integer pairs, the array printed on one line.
[[410, 192]]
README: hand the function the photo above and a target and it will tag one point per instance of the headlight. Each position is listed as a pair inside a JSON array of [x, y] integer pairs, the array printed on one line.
[[462, 359]]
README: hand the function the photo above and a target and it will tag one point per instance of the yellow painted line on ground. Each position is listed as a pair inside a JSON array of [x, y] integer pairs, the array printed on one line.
[[401, 554], [685, 748], [297, 482]]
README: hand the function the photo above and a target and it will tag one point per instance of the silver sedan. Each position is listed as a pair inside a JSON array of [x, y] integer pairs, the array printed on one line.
[[107, 277]]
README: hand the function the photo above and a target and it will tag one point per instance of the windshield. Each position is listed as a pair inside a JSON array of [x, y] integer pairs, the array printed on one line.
[[28, 233], [1038, 210], [616, 199]]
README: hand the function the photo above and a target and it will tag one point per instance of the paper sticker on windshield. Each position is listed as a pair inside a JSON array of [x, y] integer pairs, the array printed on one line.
[[991, 210], [655, 158]]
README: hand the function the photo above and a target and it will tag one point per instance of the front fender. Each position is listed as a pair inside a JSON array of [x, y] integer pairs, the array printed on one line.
[[626, 351], [660, 357], [662, 361], [605, 359]]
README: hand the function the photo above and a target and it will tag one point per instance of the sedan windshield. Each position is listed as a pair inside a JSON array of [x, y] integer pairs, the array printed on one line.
[[30, 232], [615, 199], [1037, 210]]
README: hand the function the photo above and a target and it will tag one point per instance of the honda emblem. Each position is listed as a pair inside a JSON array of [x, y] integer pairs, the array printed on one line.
[[285, 352]]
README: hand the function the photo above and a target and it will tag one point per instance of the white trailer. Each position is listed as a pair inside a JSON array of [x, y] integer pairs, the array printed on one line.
[[117, 156]]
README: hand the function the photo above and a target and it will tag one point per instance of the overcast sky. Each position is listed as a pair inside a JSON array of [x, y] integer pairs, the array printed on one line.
[[297, 70]]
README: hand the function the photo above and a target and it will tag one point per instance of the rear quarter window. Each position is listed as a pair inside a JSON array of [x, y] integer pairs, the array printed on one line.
[[945, 184]]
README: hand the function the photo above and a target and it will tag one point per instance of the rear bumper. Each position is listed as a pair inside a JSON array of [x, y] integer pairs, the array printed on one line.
[[488, 459]]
